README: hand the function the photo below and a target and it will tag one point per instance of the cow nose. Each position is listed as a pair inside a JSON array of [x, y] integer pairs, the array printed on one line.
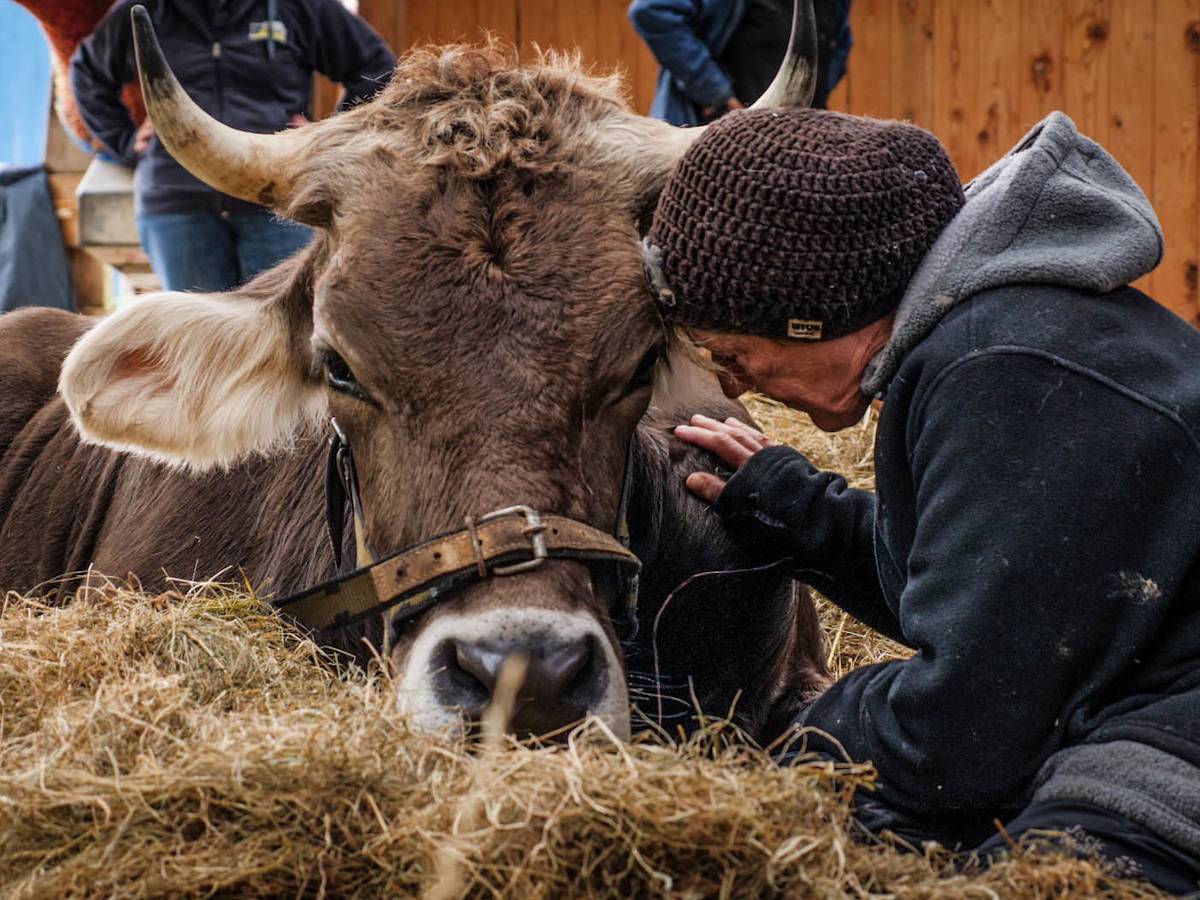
[[563, 679]]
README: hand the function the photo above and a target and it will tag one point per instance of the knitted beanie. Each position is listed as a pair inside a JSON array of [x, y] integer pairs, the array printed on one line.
[[801, 223]]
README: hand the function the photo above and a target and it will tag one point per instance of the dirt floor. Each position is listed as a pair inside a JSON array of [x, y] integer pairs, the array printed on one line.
[[186, 745]]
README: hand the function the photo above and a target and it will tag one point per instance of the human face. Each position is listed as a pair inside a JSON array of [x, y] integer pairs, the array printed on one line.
[[822, 379]]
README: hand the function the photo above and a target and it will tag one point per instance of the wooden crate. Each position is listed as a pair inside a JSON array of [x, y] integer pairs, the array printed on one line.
[[66, 208]]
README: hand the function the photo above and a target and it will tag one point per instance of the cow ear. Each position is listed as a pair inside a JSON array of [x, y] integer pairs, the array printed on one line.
[[198, 380]]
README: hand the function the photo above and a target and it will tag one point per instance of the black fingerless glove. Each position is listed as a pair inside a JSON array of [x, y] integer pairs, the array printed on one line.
[[779, 505]]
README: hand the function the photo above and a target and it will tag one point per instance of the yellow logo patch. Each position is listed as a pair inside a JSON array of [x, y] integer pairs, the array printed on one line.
[[805, 329], [259, 31]]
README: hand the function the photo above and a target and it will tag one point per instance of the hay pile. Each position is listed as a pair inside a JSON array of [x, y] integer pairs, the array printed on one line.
[[185, 745]]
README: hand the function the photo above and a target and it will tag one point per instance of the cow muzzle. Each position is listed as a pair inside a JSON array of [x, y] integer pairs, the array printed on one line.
[[450, 673]]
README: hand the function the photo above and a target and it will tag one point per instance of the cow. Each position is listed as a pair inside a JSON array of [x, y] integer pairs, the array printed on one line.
[[473, 314]]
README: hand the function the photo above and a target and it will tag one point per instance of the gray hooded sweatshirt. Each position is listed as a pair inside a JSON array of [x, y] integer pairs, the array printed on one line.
[[1047, 212]]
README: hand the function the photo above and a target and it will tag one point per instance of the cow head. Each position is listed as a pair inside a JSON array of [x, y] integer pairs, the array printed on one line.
[[472, 311]]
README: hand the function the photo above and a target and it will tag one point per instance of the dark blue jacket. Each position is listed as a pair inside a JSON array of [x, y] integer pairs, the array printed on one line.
[[242, 72], [1034, 535], [687, 36], [1034, 538]]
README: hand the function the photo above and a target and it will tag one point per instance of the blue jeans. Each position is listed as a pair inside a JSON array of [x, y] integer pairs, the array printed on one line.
[[209, 252]]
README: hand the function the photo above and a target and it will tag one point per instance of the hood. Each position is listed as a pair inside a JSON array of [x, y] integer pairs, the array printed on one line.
[[1056, 209]]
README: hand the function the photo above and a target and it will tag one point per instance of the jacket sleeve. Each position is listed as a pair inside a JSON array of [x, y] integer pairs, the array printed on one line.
[[1052, 519], [669, 29], [350, 52], [779, 504], [100, 67]]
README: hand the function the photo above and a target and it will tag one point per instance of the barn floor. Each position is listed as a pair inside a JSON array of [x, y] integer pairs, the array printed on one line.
[[154, 747]]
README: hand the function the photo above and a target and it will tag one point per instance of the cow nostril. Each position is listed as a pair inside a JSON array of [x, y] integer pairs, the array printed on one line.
[[563, 679], [479, 663], [463, 681], [561, 671]]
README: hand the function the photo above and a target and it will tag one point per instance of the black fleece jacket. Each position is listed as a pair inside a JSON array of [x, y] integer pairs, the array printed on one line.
[[240, 71], [1033, 537]]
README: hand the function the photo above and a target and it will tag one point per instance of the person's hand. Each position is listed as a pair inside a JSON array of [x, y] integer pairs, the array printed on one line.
[[732, 441], [296, 120], [145, 132], [711, 112]]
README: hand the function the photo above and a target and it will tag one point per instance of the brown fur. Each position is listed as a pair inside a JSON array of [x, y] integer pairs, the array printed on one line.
[[478, 268]]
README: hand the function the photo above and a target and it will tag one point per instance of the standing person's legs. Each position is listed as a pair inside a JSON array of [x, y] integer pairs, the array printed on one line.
[[1084, 829], [263, 241], [190, 251]]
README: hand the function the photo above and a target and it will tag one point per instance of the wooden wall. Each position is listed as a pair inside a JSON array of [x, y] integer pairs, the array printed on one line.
[[978, 73], [599, 28]]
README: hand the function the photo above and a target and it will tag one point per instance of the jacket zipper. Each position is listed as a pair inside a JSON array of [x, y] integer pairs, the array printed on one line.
[[222, 203]]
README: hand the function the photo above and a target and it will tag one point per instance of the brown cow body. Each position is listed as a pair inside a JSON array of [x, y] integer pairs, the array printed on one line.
[[473, 312], [745, 642]]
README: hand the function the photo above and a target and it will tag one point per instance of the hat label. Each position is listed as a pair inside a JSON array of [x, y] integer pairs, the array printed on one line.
[[805, 329]]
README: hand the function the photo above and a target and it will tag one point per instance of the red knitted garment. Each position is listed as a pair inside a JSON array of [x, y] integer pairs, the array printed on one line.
[[66, 23]]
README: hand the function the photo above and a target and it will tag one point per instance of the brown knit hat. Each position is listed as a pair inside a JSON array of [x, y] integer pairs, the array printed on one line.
[[802, 223]]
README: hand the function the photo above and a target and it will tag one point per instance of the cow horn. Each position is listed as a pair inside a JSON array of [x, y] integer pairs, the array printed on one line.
[[254, 167], [662, 145], [796, 81]]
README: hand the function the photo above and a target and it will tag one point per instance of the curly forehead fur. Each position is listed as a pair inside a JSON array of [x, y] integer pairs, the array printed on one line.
[[475, 109]]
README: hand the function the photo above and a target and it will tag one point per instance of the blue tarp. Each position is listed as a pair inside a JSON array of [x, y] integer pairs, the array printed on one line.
[[33, 260], [25, 87]]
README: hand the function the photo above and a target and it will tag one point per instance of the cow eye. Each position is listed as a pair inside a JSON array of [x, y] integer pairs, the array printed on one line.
[[643, 376], [339, 376]]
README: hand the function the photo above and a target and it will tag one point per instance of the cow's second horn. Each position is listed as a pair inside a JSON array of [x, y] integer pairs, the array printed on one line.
[[795, 83], [662, 145], [254, 167]]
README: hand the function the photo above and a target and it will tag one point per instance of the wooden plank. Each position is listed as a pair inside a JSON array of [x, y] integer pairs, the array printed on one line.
[[119, 255], [641, 68], [418, 24], [61, 154], [539, 24], [1085, 55], [616, 47], [997, 120], [956, 77], [426, 22], [386, 17], [1131, 86], [326, 95], [470, 20], [871, 59], [840, 99], [912, 61], [1177, 42], [604, 47], [1043, 34], [66, 208], [87, 282]]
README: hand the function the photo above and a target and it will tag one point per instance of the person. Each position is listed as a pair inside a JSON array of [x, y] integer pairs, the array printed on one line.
[[250, 64], [720, 55], [1034, 534]]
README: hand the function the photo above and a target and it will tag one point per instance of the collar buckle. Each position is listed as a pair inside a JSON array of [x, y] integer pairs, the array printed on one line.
[[534, 530]]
